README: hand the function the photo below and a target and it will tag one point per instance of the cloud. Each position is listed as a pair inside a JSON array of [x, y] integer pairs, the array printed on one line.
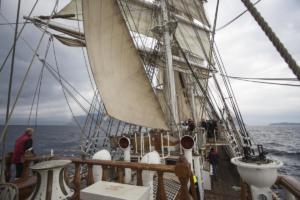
[[52, 104], [245, 50]]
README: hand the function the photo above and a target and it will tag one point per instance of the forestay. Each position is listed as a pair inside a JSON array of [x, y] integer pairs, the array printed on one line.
[[117, 68]]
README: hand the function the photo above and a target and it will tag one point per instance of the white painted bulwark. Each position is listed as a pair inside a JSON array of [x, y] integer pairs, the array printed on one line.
[[51, 184], [114, 191], [260, 176]]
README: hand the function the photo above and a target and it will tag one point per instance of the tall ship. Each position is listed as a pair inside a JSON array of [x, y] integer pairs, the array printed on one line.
[[155, 128]]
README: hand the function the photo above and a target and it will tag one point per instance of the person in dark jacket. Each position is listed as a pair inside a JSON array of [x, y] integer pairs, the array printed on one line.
[[191, 125], [213, 159], [22, 144]]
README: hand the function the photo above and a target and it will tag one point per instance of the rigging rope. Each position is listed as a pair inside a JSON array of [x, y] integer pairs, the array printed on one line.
[[273, 38], [241, 124], [10, 86], [13, 23], [4, 131], [263, 79], [19, 34], [63, 89], [263, 82], [237, 17], [23, 82]]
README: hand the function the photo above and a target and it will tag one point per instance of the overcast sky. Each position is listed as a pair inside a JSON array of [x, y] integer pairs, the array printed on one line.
[[245, 50]]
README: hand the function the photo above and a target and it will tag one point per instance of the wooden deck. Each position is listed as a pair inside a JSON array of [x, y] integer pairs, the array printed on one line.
[[227, 177]]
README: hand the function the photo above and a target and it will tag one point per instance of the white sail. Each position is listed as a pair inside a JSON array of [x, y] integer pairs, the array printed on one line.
[[74, 7], [193, 40], [139, 17], [184, 108], [198, 108], [192, 9], [117, 68]]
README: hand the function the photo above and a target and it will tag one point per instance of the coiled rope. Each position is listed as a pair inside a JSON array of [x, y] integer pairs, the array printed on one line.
[[273, 38]]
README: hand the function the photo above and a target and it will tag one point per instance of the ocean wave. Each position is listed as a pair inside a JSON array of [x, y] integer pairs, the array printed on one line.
[[282, 153]]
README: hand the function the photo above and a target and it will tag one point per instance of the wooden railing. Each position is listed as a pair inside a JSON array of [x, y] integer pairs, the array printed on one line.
[[182, 170], [290, 185]]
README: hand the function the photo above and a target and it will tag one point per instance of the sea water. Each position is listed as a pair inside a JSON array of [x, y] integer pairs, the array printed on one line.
[[281, 142]]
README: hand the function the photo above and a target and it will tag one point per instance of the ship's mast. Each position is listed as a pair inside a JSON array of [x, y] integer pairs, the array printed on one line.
[[169, 62]]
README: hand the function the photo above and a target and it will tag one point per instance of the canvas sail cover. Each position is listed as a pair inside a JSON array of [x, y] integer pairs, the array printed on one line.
[[74, 7], [117, 68]]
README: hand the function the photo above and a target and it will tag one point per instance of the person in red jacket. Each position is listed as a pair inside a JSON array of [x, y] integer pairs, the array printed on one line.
[[22, 144]]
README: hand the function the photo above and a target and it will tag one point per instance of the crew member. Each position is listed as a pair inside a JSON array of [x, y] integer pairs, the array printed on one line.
[[22, 144], [213, 158], [191, 125]]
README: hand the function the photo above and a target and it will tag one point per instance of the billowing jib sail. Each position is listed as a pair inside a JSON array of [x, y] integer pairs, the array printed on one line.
[[117, 68], [74, 7]]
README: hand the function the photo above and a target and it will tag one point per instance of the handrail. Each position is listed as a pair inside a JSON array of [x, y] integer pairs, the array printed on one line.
[[290, 184], [182, 170], [112, 163]]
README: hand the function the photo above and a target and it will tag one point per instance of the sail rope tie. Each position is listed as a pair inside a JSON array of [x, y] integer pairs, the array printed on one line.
[[273, 38]]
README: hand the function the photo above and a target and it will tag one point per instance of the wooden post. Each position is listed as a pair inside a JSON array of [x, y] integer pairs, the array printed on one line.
[[104, 173], [120, 175], [77, 181], [8, 163], [183, 172], [243, 190], [26, 165], [161, 193], [66, 176], [139, 177], [90, 176]]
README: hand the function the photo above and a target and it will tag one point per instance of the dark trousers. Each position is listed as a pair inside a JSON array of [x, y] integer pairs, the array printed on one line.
[[19, 169], [214, 169]]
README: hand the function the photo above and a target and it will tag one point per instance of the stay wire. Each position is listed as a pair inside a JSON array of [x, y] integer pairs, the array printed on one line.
[[10, 85], [235, 18], [210, 64], [19, 34], [262, 79], [12, 23], [40, 84], [63, 89], [263, 82], [4, 131]]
